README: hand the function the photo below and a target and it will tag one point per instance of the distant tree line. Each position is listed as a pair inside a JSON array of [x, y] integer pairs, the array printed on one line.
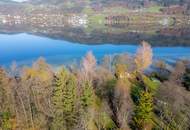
[[130, 2]]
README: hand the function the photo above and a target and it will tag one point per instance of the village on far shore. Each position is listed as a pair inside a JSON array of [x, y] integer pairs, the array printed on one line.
[[94, 14], [128, 20]]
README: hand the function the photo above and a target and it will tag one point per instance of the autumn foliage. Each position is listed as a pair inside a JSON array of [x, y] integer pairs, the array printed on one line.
[[115, 95]]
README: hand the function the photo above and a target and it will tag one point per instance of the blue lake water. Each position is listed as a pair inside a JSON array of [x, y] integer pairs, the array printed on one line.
[[24, 49]]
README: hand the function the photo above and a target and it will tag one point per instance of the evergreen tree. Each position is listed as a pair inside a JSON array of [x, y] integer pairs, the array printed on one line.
[[144, 111], [186, 79], [5, 121], [64, 100], [87, 101], [87, 95], [3, 91], [5, 114]]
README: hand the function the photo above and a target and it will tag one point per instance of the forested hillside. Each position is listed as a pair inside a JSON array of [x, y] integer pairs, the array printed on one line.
[[117, 94], [137, 2]]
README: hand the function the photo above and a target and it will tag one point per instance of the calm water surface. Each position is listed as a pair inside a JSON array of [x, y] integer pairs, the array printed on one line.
[[24, 49]]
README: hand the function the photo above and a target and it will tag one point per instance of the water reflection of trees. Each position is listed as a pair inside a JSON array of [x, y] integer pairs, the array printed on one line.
[[112, 33]]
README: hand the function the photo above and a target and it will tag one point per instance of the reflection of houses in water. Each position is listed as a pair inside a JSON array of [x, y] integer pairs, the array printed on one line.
[[44, 20], [11, 20], [175, 9], [188, 20], [178, 32], [17, 19], [3, 19], [116, 20], [165, 21], [78, 20]]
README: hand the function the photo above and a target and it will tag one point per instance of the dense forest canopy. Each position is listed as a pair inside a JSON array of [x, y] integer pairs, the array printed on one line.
[[116, 94]]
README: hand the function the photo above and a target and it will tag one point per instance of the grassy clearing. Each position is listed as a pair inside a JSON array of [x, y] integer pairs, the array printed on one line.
[[153, 9], [96, 19]]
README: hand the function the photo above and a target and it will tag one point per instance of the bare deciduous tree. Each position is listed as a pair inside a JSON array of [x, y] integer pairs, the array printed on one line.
[[143, 58], [89, 66], [178, 72], [123, 103]]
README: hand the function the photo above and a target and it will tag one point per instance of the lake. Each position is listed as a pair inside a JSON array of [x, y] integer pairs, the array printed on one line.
[[26, 48]]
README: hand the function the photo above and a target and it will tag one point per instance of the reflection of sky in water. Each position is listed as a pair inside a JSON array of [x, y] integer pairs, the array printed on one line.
[[24, 48]]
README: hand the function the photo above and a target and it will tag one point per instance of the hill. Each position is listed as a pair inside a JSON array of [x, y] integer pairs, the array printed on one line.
[[130, 2]]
